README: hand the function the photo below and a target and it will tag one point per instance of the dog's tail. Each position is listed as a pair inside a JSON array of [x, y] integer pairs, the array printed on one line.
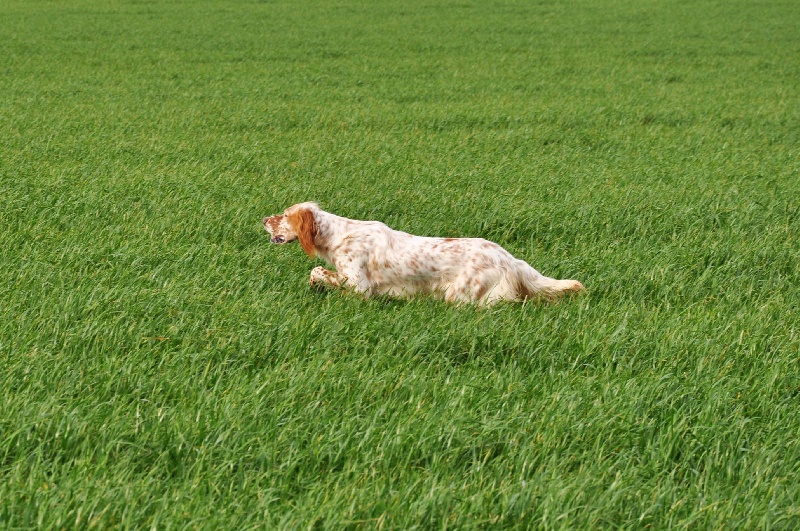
[[530, 284]]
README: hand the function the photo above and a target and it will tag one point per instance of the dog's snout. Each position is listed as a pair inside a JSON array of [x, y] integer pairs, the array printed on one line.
[[278, 239]]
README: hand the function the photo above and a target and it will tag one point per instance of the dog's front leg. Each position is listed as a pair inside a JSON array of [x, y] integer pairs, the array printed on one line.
[[322, 277]]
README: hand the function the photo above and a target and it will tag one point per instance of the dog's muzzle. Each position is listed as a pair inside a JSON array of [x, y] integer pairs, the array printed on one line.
[[278, 239]]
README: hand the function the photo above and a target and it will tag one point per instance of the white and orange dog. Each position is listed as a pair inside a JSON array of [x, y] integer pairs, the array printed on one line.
[[373, 259]]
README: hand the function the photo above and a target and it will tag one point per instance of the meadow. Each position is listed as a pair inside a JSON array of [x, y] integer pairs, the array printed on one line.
[[163, 366]]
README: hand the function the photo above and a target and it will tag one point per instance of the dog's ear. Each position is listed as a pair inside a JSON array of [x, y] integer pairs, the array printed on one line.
[[304, 224]]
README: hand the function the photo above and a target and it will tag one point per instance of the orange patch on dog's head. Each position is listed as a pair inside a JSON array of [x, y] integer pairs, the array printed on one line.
[[279, 229], [304, 223]]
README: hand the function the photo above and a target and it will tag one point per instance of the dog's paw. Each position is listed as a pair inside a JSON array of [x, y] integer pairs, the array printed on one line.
[[319, 277]]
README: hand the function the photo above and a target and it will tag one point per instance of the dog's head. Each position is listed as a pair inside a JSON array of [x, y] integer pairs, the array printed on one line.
[[298, 222], [279, 229]]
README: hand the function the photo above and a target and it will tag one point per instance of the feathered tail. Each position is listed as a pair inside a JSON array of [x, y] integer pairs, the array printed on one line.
[[530, 284]]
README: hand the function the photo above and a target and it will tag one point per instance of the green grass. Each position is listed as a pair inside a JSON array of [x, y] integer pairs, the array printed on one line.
[[162, 365]]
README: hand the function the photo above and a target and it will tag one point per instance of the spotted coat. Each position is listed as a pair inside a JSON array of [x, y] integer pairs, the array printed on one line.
[[373, 259]]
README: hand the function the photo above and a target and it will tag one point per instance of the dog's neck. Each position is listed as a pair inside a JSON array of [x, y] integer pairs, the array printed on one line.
[[332, 230]]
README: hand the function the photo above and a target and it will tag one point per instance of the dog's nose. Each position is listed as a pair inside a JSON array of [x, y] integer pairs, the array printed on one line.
[[278, 239]]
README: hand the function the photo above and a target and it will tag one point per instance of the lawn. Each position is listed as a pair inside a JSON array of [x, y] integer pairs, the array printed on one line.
[[163, 366]]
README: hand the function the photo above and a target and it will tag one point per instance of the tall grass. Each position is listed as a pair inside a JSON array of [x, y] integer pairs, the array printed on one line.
[[164, 366]]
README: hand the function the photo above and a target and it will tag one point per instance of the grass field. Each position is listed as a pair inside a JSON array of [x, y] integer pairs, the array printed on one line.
[[163, 366]]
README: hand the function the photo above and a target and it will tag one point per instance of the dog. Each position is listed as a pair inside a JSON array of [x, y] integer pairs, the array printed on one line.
[[373, 259]]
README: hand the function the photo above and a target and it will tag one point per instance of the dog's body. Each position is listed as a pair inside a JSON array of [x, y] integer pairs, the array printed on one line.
[[373, 259]]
